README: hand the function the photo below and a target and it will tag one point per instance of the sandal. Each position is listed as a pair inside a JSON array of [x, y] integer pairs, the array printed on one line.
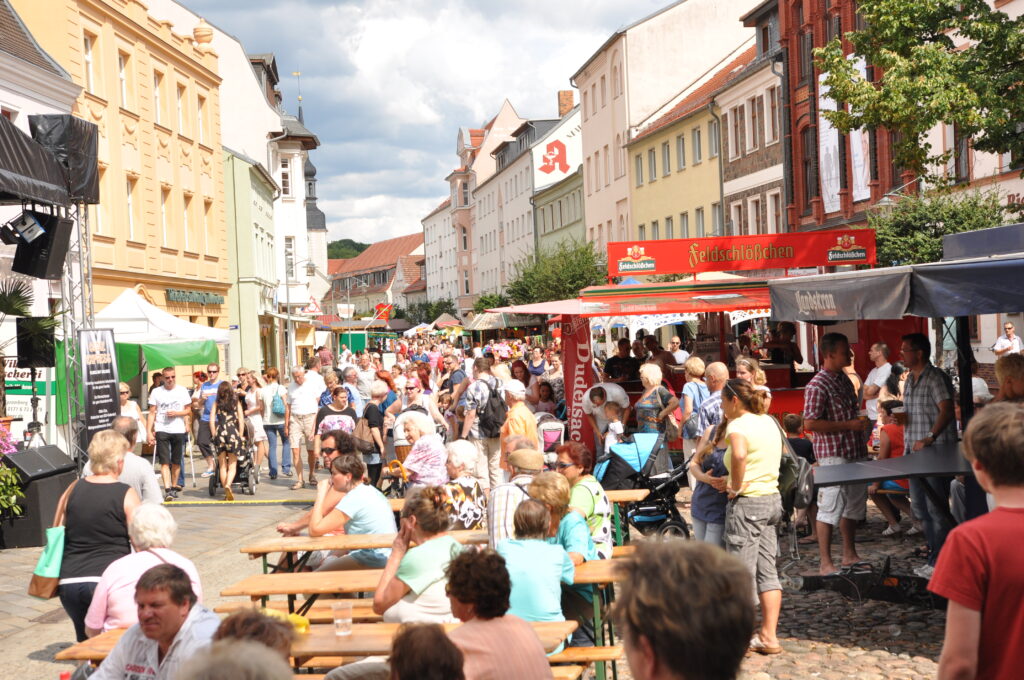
[[761, 648], [298, 485]]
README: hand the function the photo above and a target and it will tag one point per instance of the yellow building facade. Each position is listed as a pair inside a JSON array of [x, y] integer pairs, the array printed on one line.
[[154, 95]]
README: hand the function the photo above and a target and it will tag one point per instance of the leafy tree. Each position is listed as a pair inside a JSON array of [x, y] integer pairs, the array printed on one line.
[[489, 301], [911, 232], [345, 249], [925, 80], [557, 274], [425, 312]]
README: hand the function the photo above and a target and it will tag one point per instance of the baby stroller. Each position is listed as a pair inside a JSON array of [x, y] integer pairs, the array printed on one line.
[[551, 431], [247, 475], [631, 464]]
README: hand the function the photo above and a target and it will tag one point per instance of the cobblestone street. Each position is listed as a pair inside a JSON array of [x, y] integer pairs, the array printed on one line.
[[824, 634]]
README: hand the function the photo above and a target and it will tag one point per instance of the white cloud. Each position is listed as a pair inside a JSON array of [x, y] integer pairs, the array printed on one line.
[[375, 218]]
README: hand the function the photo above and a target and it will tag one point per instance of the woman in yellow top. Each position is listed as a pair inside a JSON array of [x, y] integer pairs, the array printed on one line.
[[752, 459]]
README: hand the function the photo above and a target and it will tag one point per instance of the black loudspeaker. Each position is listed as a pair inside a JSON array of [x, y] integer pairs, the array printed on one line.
[[45, 472], [36, 347], [75, 143], [43, 258]]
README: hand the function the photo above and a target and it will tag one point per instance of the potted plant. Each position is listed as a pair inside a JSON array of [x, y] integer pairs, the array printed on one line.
[[10, 481], [16, 300]]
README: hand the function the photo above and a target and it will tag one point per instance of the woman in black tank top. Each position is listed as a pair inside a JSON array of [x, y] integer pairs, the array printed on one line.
[[95, 512]]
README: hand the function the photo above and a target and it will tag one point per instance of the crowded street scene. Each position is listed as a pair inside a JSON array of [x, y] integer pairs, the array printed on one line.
[[698, 359]]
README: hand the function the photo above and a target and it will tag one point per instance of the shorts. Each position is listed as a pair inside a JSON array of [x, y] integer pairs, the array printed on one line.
[[302, 427], [750, 534], [846, 501], [170, 447]]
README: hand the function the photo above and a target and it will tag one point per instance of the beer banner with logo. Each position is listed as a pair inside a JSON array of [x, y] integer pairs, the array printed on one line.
[[875, 294], [792, 250], [578, 372], [99, 380]]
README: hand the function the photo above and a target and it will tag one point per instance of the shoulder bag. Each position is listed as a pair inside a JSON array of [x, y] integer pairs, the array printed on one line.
[[46, 575], [796, 479], [671, 429]]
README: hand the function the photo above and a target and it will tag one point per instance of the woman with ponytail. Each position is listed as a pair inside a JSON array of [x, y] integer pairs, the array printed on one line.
[[752, 459], [412, 587]]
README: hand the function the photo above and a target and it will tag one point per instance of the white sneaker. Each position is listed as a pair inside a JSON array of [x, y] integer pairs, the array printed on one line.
[[913, 531], [925, 571], [892, 531]]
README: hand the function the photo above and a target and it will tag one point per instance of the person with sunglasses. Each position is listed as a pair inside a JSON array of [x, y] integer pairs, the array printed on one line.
[[333, 443], [130, 409], [169, 406], [204, 396], [587, 497], [752, 459]]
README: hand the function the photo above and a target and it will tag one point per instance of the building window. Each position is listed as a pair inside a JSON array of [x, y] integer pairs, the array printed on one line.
[[670, 231], [604, 93], [186, 205], [680, 152], [597, 170], [200, 115], [652, 165], [165, 228], [122, 78], [158, 84], [775, 213], [895, 169], [286, 177], [716, 218], [655, 231], [590, 179], [207, 207], [130, 206], [607, 164], [666, 159], [618, 155], [714, 139], [735, 131], [181, 109], [88, 41], [465, 239], [684, 225], [736, 217], [808, 168], [698, 217], [772, 114], [639, 170], [961, 156], [756, 224], [641, 233], [289, 258], [465, 282], [695, 143], [753, 122], [465, 193], [615, 81], [586, 105], [806, 57]]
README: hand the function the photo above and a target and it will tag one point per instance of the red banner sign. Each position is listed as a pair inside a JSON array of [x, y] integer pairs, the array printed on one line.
[[383, 311], [733, 253], [578, 370]]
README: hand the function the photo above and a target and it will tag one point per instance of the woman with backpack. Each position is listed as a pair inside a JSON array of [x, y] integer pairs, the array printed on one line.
[[274, 395], [694, 394], [227, 421]]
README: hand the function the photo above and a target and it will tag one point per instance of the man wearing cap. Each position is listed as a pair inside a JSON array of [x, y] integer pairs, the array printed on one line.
[[518, 420], [505, 498]]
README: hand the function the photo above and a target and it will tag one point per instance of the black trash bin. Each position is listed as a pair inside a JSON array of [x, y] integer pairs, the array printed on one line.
[[45, 472]]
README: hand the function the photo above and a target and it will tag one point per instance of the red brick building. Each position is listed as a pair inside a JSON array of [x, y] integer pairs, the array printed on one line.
[[833, 178]]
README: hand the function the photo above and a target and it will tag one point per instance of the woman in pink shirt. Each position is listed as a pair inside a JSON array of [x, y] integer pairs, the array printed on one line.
[[151, 531]]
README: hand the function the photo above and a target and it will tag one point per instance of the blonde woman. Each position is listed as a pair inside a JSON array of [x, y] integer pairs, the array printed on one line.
[[656, 403], [253, 409], [695, 391], [130, 409], [749, 369]]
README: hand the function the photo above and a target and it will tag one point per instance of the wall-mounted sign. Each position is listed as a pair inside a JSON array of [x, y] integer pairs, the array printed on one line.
[[559, 154], [198, 296], [734, 253]]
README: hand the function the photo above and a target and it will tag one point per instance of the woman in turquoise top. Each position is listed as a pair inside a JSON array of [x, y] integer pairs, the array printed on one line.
[[569, 530]]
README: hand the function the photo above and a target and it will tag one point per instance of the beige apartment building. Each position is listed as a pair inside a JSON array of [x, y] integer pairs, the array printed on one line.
[[154, 95]]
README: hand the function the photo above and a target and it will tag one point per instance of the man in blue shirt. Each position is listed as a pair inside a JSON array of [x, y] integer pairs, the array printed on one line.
[[206, 395]]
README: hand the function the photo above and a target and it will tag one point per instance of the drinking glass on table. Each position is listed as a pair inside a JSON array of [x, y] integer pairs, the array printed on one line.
[[342, 611]]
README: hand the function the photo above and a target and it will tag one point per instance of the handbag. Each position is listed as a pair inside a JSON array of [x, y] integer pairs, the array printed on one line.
[[46, 575], [363, 435], [796, 481], [672, 431]]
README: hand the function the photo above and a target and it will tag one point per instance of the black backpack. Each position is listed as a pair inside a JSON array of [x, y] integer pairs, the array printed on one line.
[[490, 414]]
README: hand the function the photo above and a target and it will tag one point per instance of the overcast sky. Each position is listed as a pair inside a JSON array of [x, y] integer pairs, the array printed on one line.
[[387, 84]]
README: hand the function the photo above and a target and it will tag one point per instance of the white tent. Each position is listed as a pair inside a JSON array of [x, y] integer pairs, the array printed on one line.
[[136, 320]]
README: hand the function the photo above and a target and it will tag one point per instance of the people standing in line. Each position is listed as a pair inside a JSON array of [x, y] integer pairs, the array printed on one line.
[[137, 472], [979, 570], [928, 399], [482, 423], [752, 458], [621, 366], [1009, 342], [302, 405], [840, 437], [227, 429], [877, 377], [204, 397], [130, 409], [169, 406], [253, 410], [593, 402], [95, 512], [275, 409]]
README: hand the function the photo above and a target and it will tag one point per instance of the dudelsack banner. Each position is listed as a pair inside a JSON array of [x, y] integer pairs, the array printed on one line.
[[99, 380], [827, 248], [578, 371]]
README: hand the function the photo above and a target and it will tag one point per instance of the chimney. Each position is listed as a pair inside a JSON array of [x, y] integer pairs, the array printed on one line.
[[565, 102]]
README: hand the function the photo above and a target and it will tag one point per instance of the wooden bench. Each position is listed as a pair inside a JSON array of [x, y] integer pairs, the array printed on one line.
[[587, 655], [623, 550], [362, 610], [567, 672]]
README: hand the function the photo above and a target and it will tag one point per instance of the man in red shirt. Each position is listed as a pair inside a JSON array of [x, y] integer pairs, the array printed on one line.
[[979, 568]]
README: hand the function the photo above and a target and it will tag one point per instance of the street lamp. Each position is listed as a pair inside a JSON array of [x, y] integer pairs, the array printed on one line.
[[887, 201], [311, 271]]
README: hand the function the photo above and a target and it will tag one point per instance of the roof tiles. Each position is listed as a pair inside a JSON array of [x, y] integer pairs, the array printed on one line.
[[381, 255]]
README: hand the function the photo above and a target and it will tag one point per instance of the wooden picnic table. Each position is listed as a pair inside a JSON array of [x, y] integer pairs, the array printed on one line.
[[367, 639], [290, 545], [619, 497]]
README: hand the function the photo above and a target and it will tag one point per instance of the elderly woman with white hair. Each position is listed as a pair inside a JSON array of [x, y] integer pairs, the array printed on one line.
[[467, 498], [152, 531], [427, 458]]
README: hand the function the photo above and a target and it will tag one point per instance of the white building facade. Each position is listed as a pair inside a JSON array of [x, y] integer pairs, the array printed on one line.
[[440, 248]]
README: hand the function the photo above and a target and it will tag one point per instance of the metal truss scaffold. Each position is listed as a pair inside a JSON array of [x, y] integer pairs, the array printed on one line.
[[76, 292]]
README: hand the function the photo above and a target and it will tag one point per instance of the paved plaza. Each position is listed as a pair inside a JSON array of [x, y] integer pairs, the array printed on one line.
[[824, 634]]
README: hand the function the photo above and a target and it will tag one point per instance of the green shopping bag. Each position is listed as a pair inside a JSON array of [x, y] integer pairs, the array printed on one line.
[[47, 572]]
